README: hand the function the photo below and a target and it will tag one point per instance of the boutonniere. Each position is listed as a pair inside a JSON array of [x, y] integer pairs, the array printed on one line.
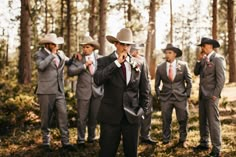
[[178, 67], [209, 64], [134, 65]]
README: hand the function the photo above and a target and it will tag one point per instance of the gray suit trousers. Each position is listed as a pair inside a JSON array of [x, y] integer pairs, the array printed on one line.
[[87, 116], [50, 103], [146, 127], [209, 121], [181, 110]]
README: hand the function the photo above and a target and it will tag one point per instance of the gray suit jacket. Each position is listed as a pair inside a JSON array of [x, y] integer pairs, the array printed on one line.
[[212, 76], [181, 85], [85, 84], [50, 77]]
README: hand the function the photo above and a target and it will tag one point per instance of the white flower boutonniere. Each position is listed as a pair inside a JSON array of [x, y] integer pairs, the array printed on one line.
[[134, 65], [178, 67]]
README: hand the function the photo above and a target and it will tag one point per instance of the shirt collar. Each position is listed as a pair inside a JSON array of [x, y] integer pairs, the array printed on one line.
[[210, 54], [49, 52], [173, 63]]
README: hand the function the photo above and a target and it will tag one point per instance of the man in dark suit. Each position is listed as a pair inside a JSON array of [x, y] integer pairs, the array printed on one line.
[[88, 94], [211, 68], [126, 95], [50, 64], [176, 88]]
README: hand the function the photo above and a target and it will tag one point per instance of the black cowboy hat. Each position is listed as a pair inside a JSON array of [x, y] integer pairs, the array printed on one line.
[[175, 49], [213, 42]]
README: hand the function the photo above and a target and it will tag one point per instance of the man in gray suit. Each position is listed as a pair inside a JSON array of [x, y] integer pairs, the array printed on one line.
[[211, 68], [50, 90], [176, 88], [87, 92], [126, 96], [146, 121]]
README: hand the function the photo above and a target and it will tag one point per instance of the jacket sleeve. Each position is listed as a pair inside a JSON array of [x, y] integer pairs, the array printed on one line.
[[43, 62], [104, 71], [75, 68], [157, 82], [197, 68], [188, 79], [220, 75], [145, 89]]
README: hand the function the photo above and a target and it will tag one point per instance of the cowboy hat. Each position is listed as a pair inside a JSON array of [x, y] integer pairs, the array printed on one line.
[[124, 36], [51, 38], [175, 49], [213, 42], [88, 40], [136, 47]]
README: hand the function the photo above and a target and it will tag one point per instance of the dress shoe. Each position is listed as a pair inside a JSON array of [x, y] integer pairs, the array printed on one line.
[[46, 148], [165, 142], [80, 144], [200, 148], [214, 154], [182, 144], [148, 141], [69, 147]]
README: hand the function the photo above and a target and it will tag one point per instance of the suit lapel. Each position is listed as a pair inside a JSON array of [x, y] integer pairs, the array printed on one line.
[[164, 70]]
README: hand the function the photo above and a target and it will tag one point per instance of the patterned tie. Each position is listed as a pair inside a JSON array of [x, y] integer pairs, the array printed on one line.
[[91, 68], [170, 72], [123, 69]]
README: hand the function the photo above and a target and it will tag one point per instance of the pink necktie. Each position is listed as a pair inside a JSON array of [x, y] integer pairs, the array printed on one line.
[[171, 72], [91, 68], [56, 61]]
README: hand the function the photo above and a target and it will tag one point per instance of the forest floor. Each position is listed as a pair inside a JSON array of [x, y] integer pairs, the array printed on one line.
[[26, 143]]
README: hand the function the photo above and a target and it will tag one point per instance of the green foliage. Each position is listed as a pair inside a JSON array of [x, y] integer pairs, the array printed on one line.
[[18, 111]]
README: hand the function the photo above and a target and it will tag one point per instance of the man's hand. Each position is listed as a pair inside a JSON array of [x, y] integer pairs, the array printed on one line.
[[78, 56], [122, 57], [88, 62], [214, 98], [200, 55]]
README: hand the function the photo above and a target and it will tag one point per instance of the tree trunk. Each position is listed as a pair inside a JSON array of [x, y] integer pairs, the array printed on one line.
[[231, 40], [92, 18], [171, 23], [24, 66], [214, 17], [129, 11], [46, 16], [150, 44], [102, 23], [68, 26], [62, 18]]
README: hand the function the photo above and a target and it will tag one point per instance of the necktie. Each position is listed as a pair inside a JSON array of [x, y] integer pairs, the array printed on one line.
[[56, 61], [123, 69], [91, 68], [170, 72]]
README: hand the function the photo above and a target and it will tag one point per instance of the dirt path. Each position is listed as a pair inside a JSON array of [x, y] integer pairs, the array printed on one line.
[[230, 93]]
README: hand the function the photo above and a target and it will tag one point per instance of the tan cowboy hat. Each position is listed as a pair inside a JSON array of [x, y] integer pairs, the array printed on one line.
[[51, 38], [136, 47], [175, 49], [123, 36], [88, 40], [213, 42]]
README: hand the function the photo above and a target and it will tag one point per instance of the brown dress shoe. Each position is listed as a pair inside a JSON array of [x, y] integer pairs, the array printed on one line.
[[182, 144], [148, 141]]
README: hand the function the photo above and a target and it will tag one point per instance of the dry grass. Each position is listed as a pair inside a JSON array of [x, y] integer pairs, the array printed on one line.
[[26, 144]]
